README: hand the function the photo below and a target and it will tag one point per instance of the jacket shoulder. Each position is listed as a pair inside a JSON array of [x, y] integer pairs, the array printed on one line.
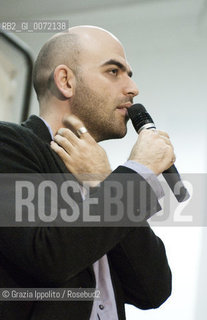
[[20, 148]]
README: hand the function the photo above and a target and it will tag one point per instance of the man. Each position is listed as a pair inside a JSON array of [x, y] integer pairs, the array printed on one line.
[[84, 87]]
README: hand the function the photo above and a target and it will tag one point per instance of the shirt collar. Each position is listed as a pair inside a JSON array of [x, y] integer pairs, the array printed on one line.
[[48, 126]]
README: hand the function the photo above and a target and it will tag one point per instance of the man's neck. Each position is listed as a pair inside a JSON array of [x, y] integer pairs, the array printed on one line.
[[55, 124], [53, 112]]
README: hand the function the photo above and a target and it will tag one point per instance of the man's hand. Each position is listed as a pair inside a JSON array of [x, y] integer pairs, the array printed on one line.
[[154, 150], [82, 155]]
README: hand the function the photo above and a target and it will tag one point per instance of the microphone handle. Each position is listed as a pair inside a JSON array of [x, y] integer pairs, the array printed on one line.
[[173, 179]]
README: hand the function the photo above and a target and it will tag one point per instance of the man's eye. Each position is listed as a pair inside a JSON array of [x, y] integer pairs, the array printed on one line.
[[114, 72]]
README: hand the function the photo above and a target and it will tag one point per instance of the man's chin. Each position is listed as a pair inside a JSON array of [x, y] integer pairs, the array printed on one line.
[[123, 135], [119, 135]]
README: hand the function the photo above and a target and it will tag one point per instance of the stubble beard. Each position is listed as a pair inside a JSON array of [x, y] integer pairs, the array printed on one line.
[[91, 109]]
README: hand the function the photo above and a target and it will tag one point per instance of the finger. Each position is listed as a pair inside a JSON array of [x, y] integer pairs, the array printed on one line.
[[81, 132], [163, 133], [171, 154], [61, 152], [156, 133], [64, 143], [166, 139], [69, 135], [75, 124], [174, 158]]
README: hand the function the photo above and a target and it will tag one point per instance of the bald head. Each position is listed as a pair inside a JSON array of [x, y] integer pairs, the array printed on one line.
[[63, 48], [88, 32], [93, 39], [68, 48]]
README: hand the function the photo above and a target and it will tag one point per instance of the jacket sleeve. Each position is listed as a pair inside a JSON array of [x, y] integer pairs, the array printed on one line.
[[142, 267], [52, 254]]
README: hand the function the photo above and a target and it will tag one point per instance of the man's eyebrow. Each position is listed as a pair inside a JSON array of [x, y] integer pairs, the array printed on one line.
[[118, 64]]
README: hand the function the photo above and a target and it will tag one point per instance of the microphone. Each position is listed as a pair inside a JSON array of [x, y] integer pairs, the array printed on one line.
[[142, 120]]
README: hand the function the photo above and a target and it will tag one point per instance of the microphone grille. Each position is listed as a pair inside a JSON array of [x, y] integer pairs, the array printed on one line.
[[134, 110], [139, 116]]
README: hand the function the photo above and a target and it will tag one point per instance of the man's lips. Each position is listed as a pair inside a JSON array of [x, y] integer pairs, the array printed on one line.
[[125, 105], [123, 108], [122, 111]]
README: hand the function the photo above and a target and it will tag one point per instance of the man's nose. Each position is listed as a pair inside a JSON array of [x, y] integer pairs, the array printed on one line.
[[131, 88]]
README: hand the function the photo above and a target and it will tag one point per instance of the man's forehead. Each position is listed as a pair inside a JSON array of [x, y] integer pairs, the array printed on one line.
[[97, 39], [100, 47], [102, 51]]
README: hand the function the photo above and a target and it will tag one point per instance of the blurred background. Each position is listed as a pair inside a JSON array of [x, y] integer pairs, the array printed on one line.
[[166, 46]]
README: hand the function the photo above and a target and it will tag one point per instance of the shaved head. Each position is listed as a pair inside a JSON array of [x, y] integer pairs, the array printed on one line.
[[63, 48], [92, 31]]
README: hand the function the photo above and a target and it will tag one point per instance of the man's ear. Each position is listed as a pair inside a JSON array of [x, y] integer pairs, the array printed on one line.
[[64, 79]]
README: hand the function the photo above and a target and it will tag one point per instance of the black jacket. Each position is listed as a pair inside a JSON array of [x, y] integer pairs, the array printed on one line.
[[63, 256]]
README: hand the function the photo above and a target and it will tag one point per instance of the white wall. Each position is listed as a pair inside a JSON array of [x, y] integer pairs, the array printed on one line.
[[167, 48], [12, 78]]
